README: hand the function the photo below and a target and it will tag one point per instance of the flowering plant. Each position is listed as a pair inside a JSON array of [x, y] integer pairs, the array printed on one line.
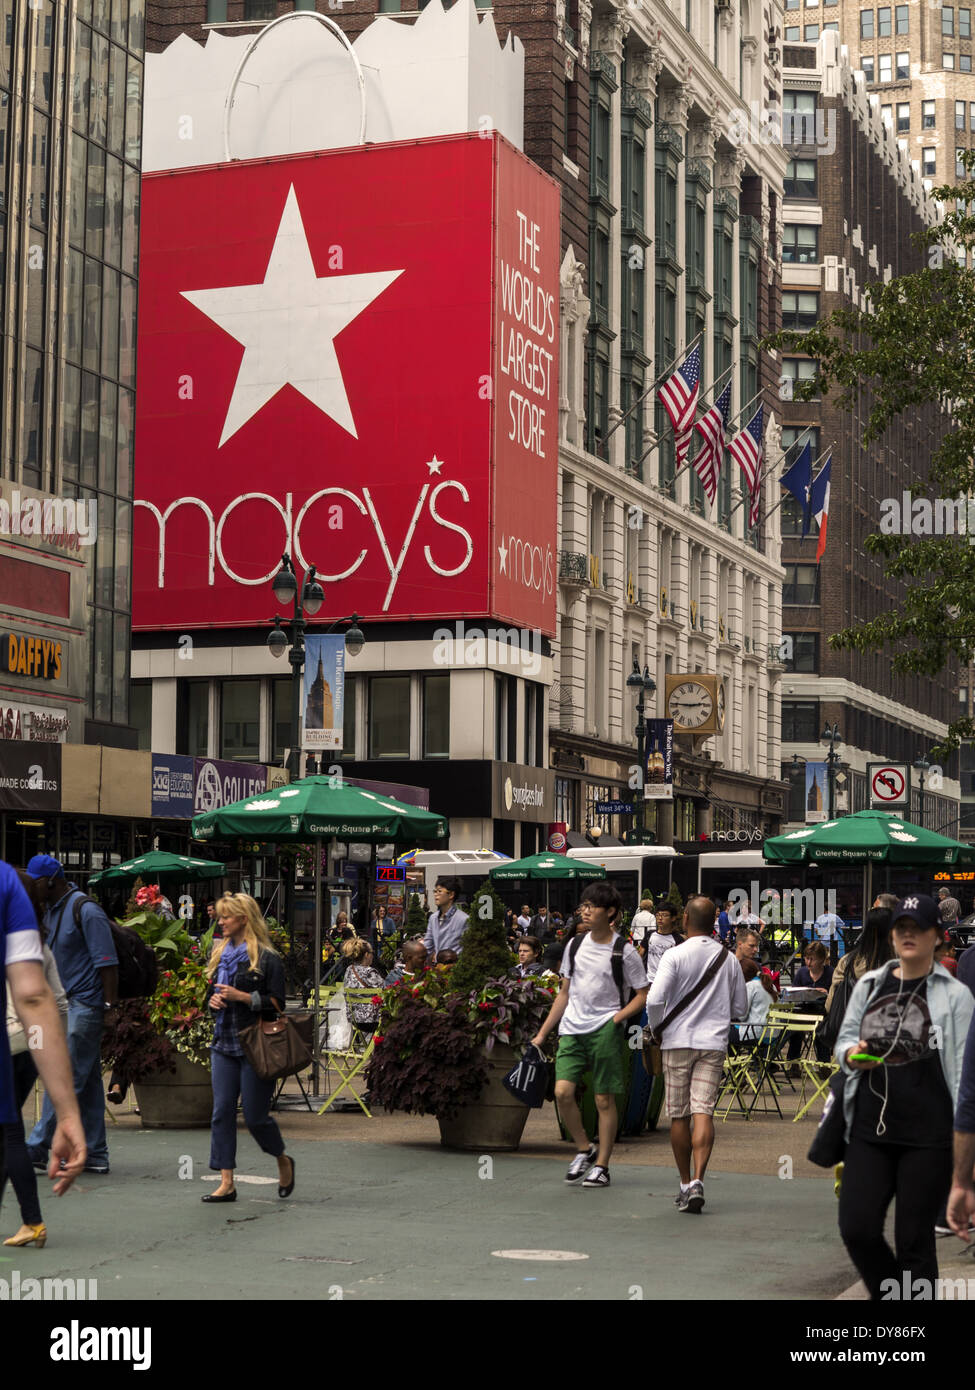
[[510, 1011]]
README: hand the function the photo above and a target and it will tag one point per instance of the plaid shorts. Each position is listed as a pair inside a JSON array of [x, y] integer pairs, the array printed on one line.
[[693, 1081]]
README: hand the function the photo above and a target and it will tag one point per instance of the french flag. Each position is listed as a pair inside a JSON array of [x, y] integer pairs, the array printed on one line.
[[819, 504]]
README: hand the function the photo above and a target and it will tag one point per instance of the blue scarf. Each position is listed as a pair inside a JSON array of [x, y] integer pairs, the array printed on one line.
[[230, 962]]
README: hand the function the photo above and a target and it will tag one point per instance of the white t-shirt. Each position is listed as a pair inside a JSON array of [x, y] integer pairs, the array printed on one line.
[[523, 922], [706, 1022], [657, 944], [642, 923], [593, 996]]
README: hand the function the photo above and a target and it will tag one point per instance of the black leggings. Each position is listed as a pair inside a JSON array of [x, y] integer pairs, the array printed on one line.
[[15, 1163], [918, 1180]]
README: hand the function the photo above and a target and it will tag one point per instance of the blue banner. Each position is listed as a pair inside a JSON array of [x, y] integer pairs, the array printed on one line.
[[172, 786], [324, 693], [659, 783]]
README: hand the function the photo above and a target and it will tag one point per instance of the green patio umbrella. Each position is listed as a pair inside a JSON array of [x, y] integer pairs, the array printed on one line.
[[867, 837], [547, 867], [156, 865], [315, 809]]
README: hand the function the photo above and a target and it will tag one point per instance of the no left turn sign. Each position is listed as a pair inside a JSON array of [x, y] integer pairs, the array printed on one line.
[[888, 784]]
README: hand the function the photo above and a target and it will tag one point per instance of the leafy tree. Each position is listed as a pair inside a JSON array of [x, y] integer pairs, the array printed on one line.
[[676, 901], [416, 918], [485, 954], [909, 350]]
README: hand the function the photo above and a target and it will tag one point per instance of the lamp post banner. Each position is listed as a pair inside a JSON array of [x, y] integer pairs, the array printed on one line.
[[323, 701], [817, 792], [659, 781], [349, 356]]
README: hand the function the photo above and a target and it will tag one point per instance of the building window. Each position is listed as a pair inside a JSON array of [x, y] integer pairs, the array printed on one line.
[[259, 9], [800, 244], [903, 116], [797, 369], [831, 28], [801, 585], [216, 11], [794, 440], [565, 801], [800, 721], [140, 712], [971, 116], [600, 148], [281, 717], [959, 115], [792, 4], [804, 649], [928, 116], [193, 718], [792, 517], [436, 716], [866, 24], [887, 116], [960, 169], [965, 24], [800, 309], [964, 62], [901, 19], [928, 161], [903, 67], [948, 61], [948, 20], [886, 68], [800, 178], [240, 720], [812, 33], [792, 33], [389, 717], [866, 65], [597, 405], [883, 22]]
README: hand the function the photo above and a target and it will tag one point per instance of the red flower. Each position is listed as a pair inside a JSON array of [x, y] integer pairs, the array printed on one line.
[[377, 999], [377, 1039]]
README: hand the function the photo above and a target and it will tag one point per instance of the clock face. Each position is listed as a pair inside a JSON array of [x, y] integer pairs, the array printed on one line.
[[690, 705], [721, 706]]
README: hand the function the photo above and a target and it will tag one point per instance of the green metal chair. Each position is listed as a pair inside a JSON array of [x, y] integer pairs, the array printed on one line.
[[348, 1062]]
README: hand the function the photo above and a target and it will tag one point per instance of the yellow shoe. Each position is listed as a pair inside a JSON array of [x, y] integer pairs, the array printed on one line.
[[29, 1235], [837, 1178]]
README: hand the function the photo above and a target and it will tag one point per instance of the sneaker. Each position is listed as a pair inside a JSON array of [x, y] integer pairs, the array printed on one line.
[[39, 1161], [97, 1168], [581, 1164], [695, 1197], [597, 1177], [683, 1193]]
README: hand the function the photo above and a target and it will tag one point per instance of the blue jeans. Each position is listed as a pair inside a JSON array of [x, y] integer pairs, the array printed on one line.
[[233, 1077], [85, 1028]]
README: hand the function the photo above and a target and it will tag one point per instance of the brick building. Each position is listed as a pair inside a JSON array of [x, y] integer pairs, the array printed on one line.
[[917, 64], [849, 216]]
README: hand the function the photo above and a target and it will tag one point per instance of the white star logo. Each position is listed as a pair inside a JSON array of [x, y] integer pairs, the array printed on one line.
[[503, 558], [435, 465], [288, 326]]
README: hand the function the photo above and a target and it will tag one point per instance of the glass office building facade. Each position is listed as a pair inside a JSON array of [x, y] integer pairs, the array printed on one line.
[[70, 132]]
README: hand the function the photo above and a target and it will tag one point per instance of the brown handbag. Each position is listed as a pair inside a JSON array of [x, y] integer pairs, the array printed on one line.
[[278, 1047]]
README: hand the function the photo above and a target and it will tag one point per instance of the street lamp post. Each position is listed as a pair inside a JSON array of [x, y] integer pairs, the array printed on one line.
[[922, 766], [831, 736], [644, 684], [280, 640]]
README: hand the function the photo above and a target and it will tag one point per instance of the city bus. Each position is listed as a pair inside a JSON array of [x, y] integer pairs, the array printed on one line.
[[638, 871]]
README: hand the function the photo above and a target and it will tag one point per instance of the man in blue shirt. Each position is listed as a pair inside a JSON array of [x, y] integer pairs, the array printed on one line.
[[446, 924], [88, 966], [22, 974]]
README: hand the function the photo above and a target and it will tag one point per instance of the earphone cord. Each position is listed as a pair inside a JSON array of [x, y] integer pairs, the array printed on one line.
[[881, 1125]]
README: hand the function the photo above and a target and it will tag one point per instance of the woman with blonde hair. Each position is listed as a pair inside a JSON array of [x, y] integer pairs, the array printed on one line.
[[360, 974], [246, 983]]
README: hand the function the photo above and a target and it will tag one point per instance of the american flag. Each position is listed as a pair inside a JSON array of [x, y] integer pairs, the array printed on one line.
[[711, 427], [746, 449], [678, 396]]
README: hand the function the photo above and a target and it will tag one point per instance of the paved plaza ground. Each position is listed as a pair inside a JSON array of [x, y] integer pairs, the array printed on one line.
[[381, 1211]]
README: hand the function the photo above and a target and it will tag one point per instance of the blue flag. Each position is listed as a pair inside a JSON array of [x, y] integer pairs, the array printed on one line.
[[798, 480]]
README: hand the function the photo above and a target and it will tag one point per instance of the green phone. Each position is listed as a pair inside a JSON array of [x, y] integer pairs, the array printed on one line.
[[863, 1057]]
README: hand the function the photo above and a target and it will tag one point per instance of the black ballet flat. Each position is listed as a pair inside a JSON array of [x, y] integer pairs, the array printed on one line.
[[287, 1191], [225, 1197]]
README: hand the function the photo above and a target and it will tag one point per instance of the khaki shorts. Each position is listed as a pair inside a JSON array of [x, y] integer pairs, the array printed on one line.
[[693, 1081]]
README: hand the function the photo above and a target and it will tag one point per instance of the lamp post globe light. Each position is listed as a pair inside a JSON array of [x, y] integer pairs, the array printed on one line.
[[643, 684], [280, 640], [831, 737]]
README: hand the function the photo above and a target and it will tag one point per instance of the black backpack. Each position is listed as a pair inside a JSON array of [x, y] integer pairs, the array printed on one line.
[[138, 969], [616, 965]]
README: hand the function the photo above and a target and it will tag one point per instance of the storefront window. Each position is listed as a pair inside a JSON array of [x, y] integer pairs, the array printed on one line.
[[685, 822], [240, 720], [436, 716], [565, 801], [389, 717]]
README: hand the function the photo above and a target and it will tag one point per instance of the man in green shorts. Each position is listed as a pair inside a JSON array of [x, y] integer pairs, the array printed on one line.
[[599, 970]]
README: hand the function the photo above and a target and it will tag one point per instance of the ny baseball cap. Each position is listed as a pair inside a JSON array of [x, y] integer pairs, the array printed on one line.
[[44, 866], [920, 909]]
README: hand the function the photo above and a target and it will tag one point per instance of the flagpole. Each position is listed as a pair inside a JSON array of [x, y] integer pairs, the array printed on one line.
[[762, 479], [663, 375], [656, 442]]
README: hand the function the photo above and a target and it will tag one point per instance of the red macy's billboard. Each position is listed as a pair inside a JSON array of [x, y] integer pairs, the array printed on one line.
[[350, 356]]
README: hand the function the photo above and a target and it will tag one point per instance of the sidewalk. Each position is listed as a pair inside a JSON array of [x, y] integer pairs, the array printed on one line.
[[381, 1211]]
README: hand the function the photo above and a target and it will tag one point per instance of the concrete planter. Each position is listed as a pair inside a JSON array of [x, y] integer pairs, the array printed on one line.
[[496, 1121], [180, 1100]]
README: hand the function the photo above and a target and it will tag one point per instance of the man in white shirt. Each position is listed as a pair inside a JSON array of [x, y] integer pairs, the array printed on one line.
[[599, 970], [524, 920], [695, 1043], [642, 925]]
